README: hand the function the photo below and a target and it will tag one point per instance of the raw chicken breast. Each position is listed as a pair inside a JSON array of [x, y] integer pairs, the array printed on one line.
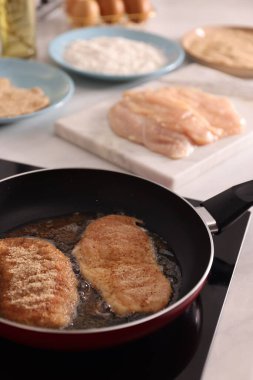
[[172, 114], [173, 120], [217, 110], [144, 130]]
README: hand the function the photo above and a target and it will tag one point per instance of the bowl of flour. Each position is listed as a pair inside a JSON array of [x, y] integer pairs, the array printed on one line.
[[115, 53]]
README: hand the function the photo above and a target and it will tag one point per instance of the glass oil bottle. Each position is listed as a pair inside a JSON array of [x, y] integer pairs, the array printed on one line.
[[17, 28]]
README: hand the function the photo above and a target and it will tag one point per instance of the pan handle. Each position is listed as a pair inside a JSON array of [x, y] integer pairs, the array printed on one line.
[[229, 205]]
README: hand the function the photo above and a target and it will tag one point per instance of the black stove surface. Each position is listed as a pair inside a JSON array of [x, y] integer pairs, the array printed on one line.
[[175, 352]]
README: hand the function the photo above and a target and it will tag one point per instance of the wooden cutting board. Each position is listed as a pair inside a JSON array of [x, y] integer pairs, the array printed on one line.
[[89, 129]]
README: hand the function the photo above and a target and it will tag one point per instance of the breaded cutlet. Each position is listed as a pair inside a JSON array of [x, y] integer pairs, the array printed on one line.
[[118, 258], [37, 284]]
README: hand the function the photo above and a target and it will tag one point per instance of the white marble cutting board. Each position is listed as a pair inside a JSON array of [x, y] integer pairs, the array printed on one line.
[[89, 129]]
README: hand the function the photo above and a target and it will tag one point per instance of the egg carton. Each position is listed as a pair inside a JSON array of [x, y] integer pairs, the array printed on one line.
[[90, 13]]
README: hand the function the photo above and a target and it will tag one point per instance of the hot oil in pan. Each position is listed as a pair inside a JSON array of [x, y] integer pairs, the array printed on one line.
[[64, 233]]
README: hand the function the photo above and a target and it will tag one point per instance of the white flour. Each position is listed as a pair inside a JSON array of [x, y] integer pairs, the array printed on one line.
[[114, 55]]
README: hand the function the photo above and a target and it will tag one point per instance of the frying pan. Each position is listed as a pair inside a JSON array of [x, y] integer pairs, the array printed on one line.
[[56, 192]]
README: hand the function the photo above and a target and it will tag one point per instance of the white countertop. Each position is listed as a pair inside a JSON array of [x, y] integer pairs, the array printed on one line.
[[34, 142]]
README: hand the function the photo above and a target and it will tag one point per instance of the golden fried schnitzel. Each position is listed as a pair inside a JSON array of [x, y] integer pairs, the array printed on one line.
[[117, 257], [37, 284]]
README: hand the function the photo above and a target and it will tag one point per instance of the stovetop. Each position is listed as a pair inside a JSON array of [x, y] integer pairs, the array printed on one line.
[[175, 352]]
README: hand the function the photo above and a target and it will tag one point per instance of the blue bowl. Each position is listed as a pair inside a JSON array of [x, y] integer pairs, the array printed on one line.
[[172, 50]]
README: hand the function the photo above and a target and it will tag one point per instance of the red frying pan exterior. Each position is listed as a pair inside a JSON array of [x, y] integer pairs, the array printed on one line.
[[50, 193], [94, 338]]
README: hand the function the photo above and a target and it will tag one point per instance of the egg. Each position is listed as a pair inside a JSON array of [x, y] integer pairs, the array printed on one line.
[[111, 10], [84, 12], [68, 5], [138, 10]]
